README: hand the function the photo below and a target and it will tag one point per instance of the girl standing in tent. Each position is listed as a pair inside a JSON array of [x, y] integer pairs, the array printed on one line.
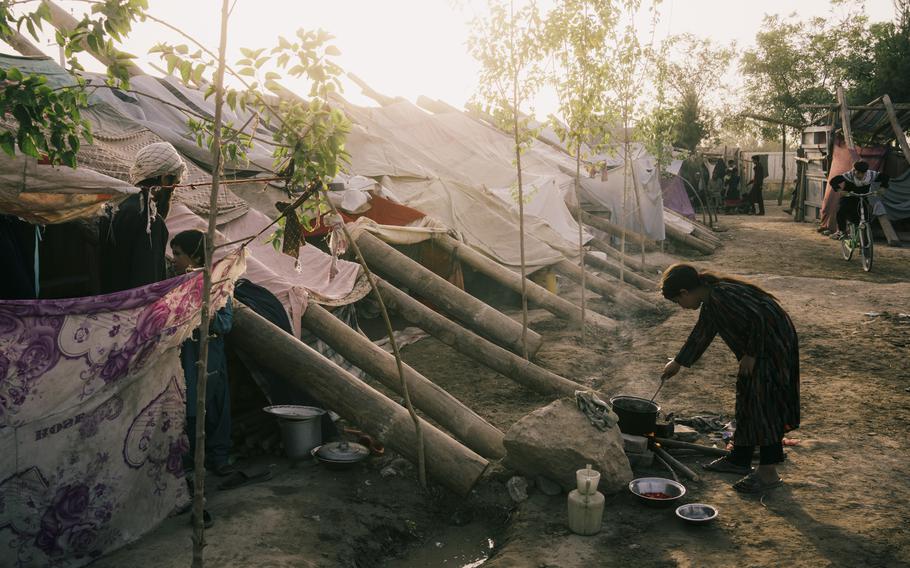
[[761, 335]]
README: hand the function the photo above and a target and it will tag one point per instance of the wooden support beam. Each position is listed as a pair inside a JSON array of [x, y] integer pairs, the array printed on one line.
[[611, 290], [845, 120], [649, 270], [467, 343], [63, 21], [537, 295], [23, 45], [888, 229], [614, 270], [383, 100], [448, 462], [445, 409], [896, 127], [467, 309], [605, 225]]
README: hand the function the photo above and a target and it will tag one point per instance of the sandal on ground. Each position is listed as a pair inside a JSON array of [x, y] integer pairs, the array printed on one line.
[[207, 520], [245, 477], [224, 469], [752, 484], [723, 465]]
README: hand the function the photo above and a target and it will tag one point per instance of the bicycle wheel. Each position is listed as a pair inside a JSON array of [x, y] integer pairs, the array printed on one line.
[[866, 245], [847, 245]]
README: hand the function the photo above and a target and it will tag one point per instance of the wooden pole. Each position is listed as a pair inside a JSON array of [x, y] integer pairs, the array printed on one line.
[[887, 228], [467, 343], [845, 121], [706, 450], [603, 224], [448, 462], [64, 22], [676, 463], [783, 160], [207, 315], [610, 290], [649, 270], [688, 240], [22, 45], [473, 313], [537, 294], [448, 411], [628, 276]]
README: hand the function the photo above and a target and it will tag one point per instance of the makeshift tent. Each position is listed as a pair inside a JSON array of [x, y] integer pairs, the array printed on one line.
[[640, 207], [448, 166]]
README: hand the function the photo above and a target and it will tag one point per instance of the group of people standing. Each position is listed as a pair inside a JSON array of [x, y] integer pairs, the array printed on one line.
[[725, 186]]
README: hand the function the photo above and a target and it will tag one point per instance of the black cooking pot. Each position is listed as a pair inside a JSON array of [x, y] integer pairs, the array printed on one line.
[[637, 415]]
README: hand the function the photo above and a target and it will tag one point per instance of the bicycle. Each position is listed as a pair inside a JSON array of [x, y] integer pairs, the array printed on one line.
[[859, 235]]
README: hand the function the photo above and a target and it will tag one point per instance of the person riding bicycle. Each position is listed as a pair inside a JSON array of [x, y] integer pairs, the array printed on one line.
[[858, 180]]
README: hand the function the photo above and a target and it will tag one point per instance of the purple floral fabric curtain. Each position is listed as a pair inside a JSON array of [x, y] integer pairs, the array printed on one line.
[[92, 417]]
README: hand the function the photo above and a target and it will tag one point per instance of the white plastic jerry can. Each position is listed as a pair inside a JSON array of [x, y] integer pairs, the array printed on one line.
[[586, 504]]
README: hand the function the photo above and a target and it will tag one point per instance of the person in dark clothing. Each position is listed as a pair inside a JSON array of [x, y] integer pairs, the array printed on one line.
[[188, 248], [276, 389], [732, 200], [133, 238], [858, 180], [757, 186], [17, 251], [760, 333]]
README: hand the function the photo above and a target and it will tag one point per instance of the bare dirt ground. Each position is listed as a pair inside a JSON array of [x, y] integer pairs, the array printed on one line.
[[845, 501]]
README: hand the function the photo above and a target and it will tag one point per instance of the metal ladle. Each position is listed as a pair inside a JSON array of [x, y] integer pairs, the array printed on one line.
[[662, 381]]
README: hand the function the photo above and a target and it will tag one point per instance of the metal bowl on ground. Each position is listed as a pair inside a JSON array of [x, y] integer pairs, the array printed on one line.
[[340, 455], [697, 513], [657, 491]]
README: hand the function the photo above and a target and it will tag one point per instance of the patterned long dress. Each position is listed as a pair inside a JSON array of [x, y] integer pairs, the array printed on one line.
[[752, 323]]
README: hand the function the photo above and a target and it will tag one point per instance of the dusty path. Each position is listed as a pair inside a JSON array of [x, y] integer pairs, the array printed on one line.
[[846, 501]]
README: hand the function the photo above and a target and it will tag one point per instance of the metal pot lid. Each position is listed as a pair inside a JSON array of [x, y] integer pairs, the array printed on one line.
[[294, 411], [342, 452]]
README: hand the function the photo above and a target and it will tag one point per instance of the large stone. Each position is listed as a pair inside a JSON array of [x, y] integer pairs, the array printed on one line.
[[558, 439]]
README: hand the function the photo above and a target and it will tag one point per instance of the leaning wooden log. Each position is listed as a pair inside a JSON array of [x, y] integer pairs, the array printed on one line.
[[688, 240], [448, 462], [610, 290], [608, 226], [63, 21], [467, 309], [614, 270], [649, 270], [472, 345], [445, 409], [537, 294]]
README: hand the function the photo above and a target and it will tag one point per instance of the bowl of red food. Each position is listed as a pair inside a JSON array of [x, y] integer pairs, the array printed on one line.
[[657, 491]]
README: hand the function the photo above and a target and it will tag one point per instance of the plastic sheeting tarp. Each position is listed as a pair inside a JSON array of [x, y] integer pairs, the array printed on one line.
[[164, 105], [44, 194], [676, 198], [640, 207], [897, 198], [447, 166]]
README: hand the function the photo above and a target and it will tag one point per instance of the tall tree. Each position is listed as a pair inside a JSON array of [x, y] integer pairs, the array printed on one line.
[[507, 44], [576, 33]]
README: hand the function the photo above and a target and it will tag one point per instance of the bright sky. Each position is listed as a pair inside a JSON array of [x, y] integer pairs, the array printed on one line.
[[409, 48]]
